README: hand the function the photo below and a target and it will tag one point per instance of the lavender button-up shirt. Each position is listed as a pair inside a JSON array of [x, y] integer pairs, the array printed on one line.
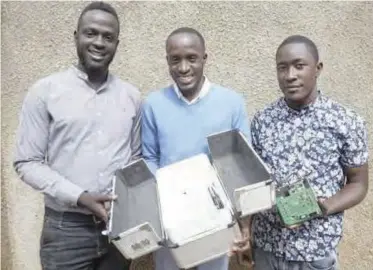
[[72, 138]]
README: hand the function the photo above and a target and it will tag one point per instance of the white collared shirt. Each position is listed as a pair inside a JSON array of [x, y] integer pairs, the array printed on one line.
[[204, 90]]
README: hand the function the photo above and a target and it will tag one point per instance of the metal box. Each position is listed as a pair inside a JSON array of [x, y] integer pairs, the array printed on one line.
[[135, 225], [243, 174], [197, 215]]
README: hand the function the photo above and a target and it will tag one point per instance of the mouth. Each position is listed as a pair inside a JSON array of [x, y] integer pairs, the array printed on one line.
[[293, 88], [96, 55], [185, 79]]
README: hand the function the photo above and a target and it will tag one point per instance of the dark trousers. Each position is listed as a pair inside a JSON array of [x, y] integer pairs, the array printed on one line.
[[72, 241], [268, 261]]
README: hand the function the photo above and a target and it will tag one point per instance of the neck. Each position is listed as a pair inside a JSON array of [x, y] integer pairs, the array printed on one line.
[[95, 77], [298, 105], [190, 95]]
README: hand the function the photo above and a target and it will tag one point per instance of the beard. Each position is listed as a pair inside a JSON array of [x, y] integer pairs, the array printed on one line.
[[91, 66]]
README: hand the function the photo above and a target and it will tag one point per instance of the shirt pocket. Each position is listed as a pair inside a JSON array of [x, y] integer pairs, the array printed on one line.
[[119, 119]]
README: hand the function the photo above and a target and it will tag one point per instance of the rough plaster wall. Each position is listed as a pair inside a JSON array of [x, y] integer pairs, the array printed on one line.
[[37, 39]]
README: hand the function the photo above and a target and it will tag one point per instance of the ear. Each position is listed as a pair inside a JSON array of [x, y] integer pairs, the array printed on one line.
[[76, 37], [319, 68], [205, 58]]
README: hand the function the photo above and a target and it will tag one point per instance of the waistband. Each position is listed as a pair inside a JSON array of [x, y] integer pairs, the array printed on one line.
[[72, 216]]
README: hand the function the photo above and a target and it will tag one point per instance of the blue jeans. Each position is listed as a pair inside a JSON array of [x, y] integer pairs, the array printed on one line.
[[268, 261], [163, 260], [72, 241]]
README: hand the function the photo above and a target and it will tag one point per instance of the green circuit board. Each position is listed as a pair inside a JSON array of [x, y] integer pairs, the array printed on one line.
[[297, 203]]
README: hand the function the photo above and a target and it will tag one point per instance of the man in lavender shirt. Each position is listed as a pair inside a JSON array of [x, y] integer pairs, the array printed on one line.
[[76, 128]]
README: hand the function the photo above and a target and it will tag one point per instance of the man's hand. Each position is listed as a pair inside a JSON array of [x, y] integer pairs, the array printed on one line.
[[96, 203], [242, 247]]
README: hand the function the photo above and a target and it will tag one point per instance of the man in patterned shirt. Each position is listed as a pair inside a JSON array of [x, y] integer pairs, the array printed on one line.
[[305, 132]]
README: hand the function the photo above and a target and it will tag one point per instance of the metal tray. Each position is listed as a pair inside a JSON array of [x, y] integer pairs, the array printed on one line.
[[135, 214], [241, 170]]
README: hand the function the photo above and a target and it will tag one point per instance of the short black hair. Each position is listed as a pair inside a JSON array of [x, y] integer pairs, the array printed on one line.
[[303, 40], [187, 30], [99, 5]]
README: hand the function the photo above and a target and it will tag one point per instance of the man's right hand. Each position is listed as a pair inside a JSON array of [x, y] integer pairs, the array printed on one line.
[[96, 203], [242, 246]]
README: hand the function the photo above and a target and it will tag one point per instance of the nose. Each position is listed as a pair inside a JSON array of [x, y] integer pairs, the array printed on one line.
[[98, 41], [291, 74], [183, 67]]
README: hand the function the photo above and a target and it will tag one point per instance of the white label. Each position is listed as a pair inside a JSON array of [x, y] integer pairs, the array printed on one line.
[[138, 241]]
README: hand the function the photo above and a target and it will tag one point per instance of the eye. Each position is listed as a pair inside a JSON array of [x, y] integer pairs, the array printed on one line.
[[299, 66], [89, 33], [175, 59], [192, 58], [281, 68], [109, 38]]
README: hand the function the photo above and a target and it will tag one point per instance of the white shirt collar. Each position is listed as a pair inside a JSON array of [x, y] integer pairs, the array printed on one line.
[[204, 90]]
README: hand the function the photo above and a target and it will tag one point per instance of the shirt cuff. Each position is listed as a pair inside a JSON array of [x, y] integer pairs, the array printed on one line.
[[69, 194]]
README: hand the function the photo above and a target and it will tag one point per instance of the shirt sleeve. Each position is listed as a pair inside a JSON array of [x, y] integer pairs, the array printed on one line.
[[31, 150], [136, 134], [149, 136], [241, 120], [255, 134], [355, 144]]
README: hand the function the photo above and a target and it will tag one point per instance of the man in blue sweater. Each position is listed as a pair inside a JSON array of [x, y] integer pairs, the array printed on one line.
[[177, 119]]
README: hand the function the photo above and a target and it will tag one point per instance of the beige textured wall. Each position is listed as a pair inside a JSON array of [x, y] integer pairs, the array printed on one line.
[[37, 39]]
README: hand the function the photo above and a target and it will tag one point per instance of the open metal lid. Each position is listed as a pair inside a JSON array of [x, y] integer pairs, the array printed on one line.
[[237, 163], [137, 201]]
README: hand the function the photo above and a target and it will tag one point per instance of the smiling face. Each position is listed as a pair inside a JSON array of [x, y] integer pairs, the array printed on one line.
[[96, 40], [186, 58], [297, 72]]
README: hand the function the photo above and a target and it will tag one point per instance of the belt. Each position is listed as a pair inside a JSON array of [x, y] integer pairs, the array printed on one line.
[[72, 216]]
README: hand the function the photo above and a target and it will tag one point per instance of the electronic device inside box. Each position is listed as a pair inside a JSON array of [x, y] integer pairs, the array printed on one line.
[[243, 174], [297, 203], [135, 225]]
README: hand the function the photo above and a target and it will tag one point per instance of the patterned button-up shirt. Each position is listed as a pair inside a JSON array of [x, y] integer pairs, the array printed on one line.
[[319, 141]]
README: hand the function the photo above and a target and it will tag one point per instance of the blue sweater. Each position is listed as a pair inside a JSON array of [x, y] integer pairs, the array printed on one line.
[[173, 130]]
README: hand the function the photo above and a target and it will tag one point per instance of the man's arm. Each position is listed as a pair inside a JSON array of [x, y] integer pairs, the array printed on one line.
[[242, 245], [149, 137], [351, 194], [241, 120], [354, 159], [31, 148]]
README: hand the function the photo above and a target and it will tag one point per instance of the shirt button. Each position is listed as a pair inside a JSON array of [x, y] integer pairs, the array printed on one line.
[[99, 132], [98, 113], [101, 174]]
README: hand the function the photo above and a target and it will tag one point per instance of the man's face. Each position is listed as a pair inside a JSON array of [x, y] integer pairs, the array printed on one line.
[[297, 72], [186, 58], [96, 40]]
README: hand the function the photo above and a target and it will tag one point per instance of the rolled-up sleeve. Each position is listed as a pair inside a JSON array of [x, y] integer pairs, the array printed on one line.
[[354, 152], [31, 149]]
